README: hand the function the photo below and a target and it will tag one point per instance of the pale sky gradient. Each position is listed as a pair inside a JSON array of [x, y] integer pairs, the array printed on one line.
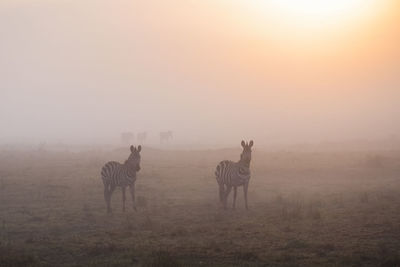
[[210, 70]]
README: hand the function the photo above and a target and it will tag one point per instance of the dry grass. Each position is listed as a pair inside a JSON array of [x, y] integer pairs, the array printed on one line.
[[306, 208]]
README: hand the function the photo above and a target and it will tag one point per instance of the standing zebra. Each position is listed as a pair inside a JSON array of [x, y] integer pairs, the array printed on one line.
[[165, 136], [233, 174], [116, 174]]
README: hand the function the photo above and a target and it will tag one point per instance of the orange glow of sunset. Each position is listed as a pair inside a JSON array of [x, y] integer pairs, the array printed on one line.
[[305, 69], [313, 19], [318, 13]]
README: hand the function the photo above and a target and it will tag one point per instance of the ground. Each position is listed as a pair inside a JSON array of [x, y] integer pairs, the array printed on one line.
[[307, 208]]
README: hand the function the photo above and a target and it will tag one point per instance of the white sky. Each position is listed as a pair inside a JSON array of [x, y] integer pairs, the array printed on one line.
[[84, 71]]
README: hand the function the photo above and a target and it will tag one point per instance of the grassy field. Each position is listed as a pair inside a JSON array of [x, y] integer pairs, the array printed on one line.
[[307, 208]]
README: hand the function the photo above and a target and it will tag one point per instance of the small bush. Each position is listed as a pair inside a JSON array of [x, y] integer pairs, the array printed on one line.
[[279, 199], [292, 211], [314, 213]]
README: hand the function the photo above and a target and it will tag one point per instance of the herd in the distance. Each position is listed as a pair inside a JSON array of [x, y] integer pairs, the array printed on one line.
[[229, 175]]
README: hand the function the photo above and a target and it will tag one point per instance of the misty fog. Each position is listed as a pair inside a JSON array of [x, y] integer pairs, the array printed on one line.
[[121, 128]]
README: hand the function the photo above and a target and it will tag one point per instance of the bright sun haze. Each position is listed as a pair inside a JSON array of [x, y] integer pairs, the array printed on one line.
[[317, 14], [269, 69], [322, 10]]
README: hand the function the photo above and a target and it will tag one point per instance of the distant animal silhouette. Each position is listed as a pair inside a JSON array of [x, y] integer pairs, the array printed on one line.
[[42, 147], [127, 137], [233, 174], [165, 137], [116, 174], [141, 137]]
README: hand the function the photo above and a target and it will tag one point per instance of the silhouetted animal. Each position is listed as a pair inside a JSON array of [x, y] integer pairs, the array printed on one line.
[[165, 136], [233, 174], [116, 174]]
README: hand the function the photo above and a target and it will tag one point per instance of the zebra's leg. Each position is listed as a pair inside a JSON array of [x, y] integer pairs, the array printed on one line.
[[221, 192], [132, 189], [106, 194], [110, 191], [245, 188], [123, 198], [234, 196], [228, 190]]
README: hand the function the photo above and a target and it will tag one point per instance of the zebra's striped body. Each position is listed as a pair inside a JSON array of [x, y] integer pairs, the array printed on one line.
[[234, 174], [115, 174]]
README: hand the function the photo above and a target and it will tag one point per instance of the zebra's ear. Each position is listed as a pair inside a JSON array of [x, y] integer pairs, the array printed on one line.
[[243, 144], [139, 148], [251, 143], [132, 149]]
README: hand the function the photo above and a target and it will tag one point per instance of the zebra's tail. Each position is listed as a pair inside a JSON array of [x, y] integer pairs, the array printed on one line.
[[218, 171], [104, 175]]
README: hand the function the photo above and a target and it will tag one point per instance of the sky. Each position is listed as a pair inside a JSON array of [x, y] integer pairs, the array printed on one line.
[[212, 71]]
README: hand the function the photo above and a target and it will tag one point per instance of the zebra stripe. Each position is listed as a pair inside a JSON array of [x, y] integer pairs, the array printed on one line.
[[117, 174], [232, 173]]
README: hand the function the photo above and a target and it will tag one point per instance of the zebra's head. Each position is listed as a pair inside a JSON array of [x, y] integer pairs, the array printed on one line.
[[245, 157], [134, 158]]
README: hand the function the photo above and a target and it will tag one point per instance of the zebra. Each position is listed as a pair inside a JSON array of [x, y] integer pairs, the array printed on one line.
[[165, 136], [233, 174], [141, 137], [116, 174]]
